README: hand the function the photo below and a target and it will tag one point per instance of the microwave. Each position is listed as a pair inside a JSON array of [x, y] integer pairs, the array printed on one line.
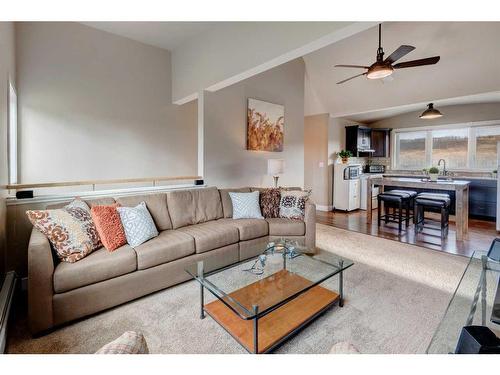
[[352, 172]]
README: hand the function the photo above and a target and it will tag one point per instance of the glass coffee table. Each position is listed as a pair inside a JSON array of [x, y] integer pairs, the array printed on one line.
[[471, 304], [264, 300]]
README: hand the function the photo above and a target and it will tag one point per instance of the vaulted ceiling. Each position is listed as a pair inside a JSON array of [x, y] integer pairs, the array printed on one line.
[[470, 55]]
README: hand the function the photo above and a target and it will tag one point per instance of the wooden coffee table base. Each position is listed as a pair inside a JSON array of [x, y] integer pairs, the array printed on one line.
[[276, 326]]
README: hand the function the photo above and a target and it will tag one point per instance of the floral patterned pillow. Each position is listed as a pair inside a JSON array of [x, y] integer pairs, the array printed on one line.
[[70, 230], [270, 202], [293, 204]]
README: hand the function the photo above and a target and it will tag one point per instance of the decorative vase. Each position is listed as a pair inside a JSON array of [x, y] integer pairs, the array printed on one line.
[[433, 176], [345, 160]]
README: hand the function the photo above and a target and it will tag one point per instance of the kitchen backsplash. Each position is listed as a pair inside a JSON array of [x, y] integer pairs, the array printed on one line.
[[373, 161]]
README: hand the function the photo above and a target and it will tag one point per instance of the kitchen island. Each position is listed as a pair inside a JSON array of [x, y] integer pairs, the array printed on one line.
[[461, 189]]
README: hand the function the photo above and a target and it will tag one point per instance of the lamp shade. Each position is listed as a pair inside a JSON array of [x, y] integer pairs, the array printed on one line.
[[430, 112], [275, 166]]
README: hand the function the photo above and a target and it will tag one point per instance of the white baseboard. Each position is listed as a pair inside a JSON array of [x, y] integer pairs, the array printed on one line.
[[324, 208], [6, 295]]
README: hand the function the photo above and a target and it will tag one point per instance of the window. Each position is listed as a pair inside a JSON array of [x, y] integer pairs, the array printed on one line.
[[450, 145], [487, 139], [471, 147], [411, 150], [12, 146]]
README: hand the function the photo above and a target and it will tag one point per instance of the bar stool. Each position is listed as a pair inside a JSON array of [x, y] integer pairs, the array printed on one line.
[[432, 202], [397, 200]]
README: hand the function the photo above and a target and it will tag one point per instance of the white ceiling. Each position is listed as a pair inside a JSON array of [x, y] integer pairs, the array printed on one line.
[[167, 35], [469, 65], [369, 117]]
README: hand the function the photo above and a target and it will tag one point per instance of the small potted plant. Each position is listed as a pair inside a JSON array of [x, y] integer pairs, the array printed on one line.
[[345, 155], [433, 173], [494, 173], [425, 172]]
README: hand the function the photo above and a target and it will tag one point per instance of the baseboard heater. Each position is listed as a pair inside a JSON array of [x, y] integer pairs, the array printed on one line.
[[6, 295]]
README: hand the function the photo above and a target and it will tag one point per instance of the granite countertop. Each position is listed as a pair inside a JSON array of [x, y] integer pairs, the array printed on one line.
[[453, 177], [417, 180]]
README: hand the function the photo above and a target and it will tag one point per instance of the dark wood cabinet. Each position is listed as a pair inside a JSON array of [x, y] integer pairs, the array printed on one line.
[[357, 139], [483, 199], [381, 142], [376, 142]]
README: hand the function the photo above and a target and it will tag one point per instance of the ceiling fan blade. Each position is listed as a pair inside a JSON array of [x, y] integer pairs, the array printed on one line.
[[351, 66], [412, 63], [348, 79], [397, 54]]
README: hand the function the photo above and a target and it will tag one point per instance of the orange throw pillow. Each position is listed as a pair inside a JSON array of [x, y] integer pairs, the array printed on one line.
[[109, 226]]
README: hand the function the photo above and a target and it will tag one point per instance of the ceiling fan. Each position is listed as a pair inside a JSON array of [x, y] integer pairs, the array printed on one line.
[[384, 68]]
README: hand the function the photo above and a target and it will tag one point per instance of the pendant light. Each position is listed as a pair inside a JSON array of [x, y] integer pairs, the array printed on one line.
[[430, 112]]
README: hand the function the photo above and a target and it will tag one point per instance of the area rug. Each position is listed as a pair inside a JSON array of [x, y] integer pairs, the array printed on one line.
[[395, 296]]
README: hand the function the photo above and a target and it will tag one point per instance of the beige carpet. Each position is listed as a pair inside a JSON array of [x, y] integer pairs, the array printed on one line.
[[396, 295]]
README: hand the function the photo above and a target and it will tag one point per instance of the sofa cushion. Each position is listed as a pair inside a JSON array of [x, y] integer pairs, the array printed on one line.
[[98, 266], [156, 204], [211, 235], [286, 227], [248, 228], [168, 246], [181, 208], [207, 204], [227, 204], [194, 206]]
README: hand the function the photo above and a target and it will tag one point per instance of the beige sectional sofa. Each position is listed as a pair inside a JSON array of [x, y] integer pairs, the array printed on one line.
[[194, 225]]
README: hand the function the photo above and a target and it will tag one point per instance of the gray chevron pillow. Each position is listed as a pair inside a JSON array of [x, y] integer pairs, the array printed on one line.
[[246, 205]]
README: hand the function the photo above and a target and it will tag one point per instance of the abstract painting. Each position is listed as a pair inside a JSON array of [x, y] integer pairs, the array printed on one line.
[[265, 123]]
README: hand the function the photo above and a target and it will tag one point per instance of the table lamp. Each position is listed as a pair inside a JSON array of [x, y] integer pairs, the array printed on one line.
[[274, 168]]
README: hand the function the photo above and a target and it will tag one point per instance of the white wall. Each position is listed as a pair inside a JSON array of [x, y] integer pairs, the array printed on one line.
[[312, 102], [93, 105], [232, 51], [227, 162], [316, 159], [7, 69]]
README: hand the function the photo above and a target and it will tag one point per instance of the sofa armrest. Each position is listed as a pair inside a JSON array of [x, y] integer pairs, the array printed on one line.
[[40, 282], [310, 222]]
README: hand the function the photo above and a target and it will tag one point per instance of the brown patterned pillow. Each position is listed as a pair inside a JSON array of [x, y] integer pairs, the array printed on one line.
[[70, 230], [270, 202]]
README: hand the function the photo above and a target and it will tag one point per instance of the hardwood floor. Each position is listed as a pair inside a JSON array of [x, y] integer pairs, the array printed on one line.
[[481, 233]]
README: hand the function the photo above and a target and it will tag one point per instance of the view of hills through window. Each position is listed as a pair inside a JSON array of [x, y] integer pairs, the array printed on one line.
[[450, 145], [462, 148], [487, 139], [411, 150]]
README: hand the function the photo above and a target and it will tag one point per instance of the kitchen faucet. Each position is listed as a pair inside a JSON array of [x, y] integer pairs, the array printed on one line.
[[444, 166]]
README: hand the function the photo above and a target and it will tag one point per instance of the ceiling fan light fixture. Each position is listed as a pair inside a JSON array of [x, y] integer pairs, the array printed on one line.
[[379, 71], [430, 113]]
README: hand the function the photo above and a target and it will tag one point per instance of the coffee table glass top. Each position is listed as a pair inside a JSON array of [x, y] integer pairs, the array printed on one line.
[[471, 304], [279, 274]]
